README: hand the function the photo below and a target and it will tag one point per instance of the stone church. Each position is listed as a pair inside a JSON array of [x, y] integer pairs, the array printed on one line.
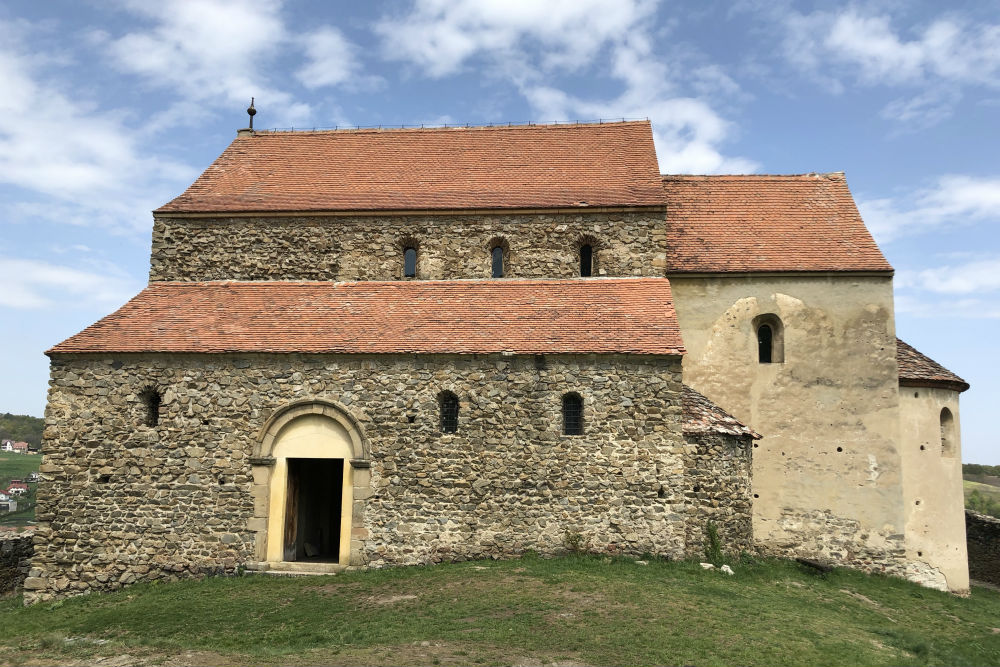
[[367, 348]]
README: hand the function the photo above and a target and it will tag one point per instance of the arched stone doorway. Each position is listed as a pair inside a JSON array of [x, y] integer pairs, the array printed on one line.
[[311, 477]]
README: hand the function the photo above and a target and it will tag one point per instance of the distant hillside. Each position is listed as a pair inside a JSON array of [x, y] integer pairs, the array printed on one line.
[[982, 488], [969, 469], [21, 427]]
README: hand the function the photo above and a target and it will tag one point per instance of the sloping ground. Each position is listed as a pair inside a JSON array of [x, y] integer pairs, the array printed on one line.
[[991, 480], [578, 610]]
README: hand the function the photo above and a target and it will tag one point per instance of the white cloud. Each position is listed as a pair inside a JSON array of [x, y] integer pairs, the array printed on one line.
[[441, 35], [939, 60], [207, 49], [218, 53], [977, 276], [331, 59], [923, 110], [531, 43], [87, 162], [955, 200], [947, 49], [952, 308], [27, 284]]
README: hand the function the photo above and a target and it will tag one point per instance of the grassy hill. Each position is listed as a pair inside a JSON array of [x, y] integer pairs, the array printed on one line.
[[18, 466], [21, 427], [981, 484], [577, 610]]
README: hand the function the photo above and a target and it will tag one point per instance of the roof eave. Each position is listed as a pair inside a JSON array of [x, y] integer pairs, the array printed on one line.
[[239, 213], [935, 384]]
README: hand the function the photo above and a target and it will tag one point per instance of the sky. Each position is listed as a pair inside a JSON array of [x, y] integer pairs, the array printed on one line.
[[110, 109]]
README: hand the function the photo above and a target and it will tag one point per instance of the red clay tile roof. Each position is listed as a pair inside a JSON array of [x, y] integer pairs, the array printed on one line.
[[918, 370], [539, 166], [615, 315], [703, 416], [766, 223]]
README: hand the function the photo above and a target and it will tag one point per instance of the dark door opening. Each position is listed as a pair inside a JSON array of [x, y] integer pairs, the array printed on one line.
[[312, 510]]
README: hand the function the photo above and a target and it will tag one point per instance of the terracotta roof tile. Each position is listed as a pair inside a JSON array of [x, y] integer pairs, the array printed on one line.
[[918, 370], [538, 166], [703, 416], [615, 315], [766, 223]]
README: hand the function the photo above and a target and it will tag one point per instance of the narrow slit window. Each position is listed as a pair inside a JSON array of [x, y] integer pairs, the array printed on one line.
[[449, 412], [586, 260], [572, 409], [765, 344], [410, 263], [151, 400], [497, 256], [948, 435]]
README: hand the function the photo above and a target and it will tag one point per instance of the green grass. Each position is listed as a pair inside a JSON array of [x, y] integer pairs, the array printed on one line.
[[18, 466], [579, 609]]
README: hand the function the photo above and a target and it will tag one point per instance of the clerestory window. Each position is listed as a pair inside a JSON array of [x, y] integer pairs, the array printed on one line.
[[410, 262], [449, 411], [586, 260], [572, 412]]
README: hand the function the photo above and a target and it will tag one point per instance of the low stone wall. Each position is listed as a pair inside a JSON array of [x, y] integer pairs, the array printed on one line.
[[982, 536], [717, 485], [16, 550], [825, 537]]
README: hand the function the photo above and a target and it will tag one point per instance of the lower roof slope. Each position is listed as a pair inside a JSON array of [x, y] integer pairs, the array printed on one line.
[[753, 224], [919, 370], [703, 416], [613, 315]]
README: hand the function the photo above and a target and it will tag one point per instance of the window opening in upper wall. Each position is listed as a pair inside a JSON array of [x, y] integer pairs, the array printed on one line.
[[586, 260], [449, 411], [765, 343], [948, 435], [151, 400], [572, 409], [497, 257], [770, 339], [410, 263]]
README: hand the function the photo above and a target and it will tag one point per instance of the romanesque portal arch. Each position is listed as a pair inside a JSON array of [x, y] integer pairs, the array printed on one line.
[[312, 463]]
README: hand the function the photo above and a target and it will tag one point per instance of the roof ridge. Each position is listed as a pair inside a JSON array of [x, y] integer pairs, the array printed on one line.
[[832, 175], [445, 127]]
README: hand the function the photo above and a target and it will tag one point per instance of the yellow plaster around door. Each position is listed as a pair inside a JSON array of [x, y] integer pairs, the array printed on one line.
[[309, 437]]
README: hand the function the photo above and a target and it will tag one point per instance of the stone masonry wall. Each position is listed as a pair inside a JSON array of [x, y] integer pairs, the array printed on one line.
[[717, 484], [16, 550], [982, 534], [371, 247], [123, 501]]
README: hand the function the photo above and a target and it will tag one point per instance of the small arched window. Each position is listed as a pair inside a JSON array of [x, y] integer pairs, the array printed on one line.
[[765, 343], [497, 259], [410, 262], [947, 433], [151, 400], [449, 411], [770, 339], [586, 260], [572, 410]]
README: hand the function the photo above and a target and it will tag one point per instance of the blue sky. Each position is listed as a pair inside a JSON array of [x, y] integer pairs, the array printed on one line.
[[110, 109]]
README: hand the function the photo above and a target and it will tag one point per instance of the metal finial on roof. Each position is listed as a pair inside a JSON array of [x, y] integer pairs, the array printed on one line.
[[252, 112]]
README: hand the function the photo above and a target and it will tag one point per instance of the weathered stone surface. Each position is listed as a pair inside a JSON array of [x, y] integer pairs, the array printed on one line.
[[983, 539], [371, 247], [16, 550], [506, 482], [717, 469]]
